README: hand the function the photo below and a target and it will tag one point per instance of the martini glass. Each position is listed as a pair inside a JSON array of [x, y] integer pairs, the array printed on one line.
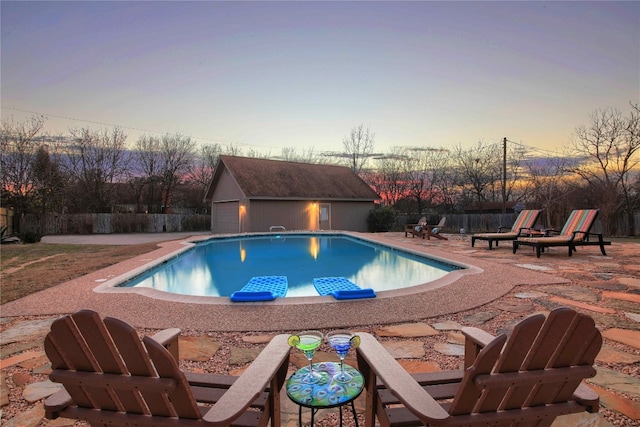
[[308, 342], [341, 341]]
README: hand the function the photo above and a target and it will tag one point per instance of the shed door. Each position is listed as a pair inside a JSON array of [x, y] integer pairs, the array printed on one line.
[[226, 217], [325, 216]]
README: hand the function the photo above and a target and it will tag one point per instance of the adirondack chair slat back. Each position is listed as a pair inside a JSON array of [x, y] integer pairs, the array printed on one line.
[[135, 355], [579, 220], [517, 347], [543, 361], [526, 219], [580, 347], [181, 397], [469, 395], [85, 343], [73, 353]]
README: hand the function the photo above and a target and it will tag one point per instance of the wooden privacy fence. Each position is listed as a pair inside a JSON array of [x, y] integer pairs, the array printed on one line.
[[113, 223], [480, 223]]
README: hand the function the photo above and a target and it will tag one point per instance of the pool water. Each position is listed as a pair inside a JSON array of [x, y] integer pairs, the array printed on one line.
[[221, 266]]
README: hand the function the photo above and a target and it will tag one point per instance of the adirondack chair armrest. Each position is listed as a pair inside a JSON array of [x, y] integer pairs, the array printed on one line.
[[252, 383], [56, 403], [475, 340], [168, 338], [587, 397], [396, 379]]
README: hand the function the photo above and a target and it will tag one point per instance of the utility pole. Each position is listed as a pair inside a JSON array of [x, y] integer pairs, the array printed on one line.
[[504, 175]]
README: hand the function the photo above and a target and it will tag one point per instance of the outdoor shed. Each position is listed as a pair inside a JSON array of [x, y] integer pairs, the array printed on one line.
[[250, 195]]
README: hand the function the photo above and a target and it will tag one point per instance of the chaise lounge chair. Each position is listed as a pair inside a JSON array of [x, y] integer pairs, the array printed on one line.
[[524, 222], [111, 377], [526, 379], [574, 233]]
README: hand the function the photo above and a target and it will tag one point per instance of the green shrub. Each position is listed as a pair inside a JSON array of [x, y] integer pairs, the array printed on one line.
[[30, 237], [382, 218]]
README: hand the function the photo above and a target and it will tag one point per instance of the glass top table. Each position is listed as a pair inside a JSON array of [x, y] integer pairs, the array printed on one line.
[[328, 393]]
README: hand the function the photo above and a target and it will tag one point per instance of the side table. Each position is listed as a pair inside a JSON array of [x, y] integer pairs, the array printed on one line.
[[327, 393]]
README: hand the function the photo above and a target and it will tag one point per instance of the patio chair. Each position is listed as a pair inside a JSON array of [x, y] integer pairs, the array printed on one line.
[[434, 231], [416, 229], [574, 233], [528, 378], [112, 377], [523, 223], [422, 229]]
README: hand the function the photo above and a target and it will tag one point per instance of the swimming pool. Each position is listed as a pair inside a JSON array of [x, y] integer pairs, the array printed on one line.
[[220, 266]]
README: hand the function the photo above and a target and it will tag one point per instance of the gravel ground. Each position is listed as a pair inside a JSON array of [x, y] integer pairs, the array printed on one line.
[[219, 362]]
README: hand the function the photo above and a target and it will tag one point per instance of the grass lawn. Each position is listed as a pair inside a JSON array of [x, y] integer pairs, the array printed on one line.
[[29, 268]]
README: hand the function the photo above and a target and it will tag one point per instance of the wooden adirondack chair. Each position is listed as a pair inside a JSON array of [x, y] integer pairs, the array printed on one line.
[[112, 377], [424, 230], [527, 379], [418, 229]]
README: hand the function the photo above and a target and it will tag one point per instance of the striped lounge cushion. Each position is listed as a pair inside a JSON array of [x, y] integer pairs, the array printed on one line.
[[526, 219]]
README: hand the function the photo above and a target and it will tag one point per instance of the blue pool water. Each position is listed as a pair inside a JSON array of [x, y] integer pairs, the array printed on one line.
[[219, 267]]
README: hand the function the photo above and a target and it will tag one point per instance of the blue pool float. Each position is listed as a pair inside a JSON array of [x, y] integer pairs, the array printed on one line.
[[262, 288], [341, 288]]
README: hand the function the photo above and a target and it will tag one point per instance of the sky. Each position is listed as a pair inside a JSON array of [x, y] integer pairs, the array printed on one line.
[[264, 76]]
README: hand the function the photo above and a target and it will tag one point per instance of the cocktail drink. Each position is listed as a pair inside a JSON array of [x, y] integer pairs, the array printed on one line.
[[341, 341], [308, 342]]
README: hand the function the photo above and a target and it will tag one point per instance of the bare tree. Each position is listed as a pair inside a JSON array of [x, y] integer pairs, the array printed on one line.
[[358, 147], [146, 173], [177, 154], [546, 181], [204, 165], [390, 180], [290, 154], [479, 172], [448, 186], [49, 182], [19, 143], [253, 153], [424, 168], [609, 146], [516, 155], [95, 160]]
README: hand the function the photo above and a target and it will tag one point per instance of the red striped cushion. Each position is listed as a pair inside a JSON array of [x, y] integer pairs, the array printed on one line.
[[526, 219], [579, 220]]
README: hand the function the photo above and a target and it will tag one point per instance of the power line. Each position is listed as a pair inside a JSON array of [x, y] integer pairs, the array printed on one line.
[[131, 127], [536, 149]]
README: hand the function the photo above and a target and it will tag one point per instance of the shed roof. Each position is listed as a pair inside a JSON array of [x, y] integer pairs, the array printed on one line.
[[263, 178]]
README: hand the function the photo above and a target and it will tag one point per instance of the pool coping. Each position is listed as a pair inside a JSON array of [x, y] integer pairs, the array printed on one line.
[[491, 281]]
